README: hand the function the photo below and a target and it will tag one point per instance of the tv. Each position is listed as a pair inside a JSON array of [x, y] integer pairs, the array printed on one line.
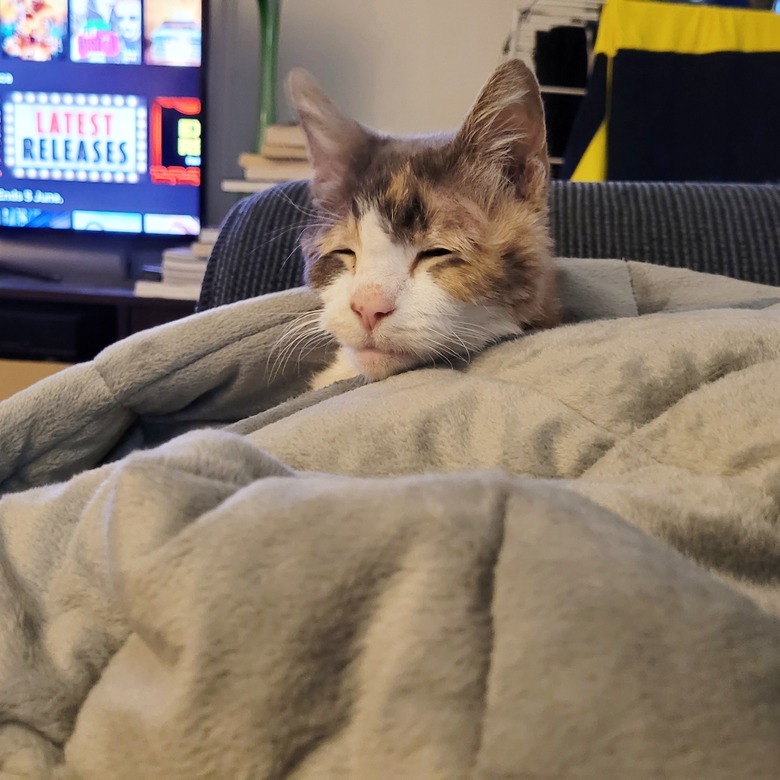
[[101, 126]]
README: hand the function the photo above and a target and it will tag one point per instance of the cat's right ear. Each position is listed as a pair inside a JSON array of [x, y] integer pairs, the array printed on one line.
[[334, 140]]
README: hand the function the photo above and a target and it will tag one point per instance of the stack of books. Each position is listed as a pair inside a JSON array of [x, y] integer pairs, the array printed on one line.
[[283, 157], [183, 267]]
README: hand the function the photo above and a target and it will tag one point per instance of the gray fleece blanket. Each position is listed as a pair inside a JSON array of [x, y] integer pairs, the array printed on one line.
[[558, 561]]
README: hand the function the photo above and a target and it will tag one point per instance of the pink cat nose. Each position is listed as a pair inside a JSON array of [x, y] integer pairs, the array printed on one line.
[[371, 306]]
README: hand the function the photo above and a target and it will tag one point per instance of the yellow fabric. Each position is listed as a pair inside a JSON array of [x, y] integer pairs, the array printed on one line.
[[684, 29], [668, 27], [593, 163]]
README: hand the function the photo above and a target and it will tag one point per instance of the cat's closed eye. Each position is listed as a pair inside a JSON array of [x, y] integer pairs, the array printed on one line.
[[443, 257], [346, 257]]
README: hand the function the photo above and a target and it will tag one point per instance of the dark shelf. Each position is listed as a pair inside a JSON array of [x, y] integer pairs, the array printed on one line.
[[73, 320]]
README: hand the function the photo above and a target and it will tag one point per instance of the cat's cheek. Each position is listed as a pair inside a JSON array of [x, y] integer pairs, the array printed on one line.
[[336, 317], [342, 324]]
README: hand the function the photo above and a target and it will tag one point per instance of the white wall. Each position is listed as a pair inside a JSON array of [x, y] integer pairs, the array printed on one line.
[[231, 90], [400, 66], [397, 65]]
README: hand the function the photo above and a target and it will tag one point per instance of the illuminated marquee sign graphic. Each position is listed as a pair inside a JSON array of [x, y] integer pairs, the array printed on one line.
[[75, 137]]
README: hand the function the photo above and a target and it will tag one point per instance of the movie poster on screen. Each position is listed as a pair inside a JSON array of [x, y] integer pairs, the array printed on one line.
[[173, 32], [175, 135], [106, 31], [33, 29]]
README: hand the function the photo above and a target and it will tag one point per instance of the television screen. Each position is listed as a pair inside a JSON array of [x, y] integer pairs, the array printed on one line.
[[100, 115]]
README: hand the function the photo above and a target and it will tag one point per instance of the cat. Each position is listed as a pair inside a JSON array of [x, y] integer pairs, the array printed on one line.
[[428, 248]]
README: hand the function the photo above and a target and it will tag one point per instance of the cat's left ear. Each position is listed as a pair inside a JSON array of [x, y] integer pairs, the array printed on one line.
[[505, 129]]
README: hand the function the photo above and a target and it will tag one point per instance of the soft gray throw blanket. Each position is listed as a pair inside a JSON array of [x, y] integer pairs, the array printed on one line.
[[559, 561]]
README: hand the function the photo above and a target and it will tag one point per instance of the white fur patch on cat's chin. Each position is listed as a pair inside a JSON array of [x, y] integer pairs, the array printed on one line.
[[377, 364], [370, 364], [339, 369]]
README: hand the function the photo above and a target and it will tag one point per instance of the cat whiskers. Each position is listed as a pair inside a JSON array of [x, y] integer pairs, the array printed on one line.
[[302, 335], [311, 342], [307, 211], [271, 236], [458, 343], [480, 336], [451, 349], [436, 345]]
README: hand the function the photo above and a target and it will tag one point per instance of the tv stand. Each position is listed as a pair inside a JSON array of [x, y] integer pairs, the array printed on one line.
[[29, 273], [73, 319]]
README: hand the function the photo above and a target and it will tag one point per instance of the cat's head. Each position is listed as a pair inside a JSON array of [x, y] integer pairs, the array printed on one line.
[[430, 247]]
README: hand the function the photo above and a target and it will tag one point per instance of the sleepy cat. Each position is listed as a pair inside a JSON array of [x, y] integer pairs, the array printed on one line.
[[428, 248]]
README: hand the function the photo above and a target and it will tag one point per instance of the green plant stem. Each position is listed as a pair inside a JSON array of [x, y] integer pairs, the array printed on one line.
[[270, 12]]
